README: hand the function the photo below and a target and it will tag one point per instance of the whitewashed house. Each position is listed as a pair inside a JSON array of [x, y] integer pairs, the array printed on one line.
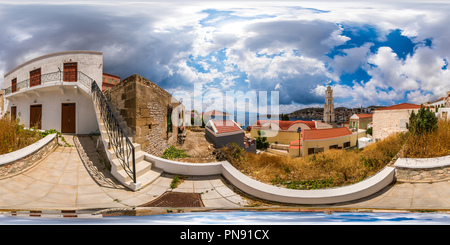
[[62, 91], [392, 119], [53, 91]]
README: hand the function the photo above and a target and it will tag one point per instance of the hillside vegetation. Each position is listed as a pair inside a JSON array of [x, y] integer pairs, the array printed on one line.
[[328, 169], [336, 168], [429, 144], [13, 135]]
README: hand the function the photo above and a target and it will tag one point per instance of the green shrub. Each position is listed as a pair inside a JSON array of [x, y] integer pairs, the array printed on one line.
[[174, 153], [424, 122], [261, 142]]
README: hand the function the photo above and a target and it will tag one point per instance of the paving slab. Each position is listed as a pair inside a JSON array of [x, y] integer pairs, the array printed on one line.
[[63, 180]]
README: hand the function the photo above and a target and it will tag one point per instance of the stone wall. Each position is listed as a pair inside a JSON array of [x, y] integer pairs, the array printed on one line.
[[422, 169], [144, 106], [24, 163], [422, 175], [2, 100], [386, 122]]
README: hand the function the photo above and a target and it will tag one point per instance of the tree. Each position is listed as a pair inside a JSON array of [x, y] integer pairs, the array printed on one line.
[[369, 131], [261, 142], [424, 122], [284, 117]]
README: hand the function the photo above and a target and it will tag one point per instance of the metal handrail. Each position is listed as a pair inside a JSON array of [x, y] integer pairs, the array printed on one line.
[[120, 142], [52, 77]]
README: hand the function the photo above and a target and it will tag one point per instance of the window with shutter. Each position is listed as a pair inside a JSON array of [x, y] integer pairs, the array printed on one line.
[[70, 72]]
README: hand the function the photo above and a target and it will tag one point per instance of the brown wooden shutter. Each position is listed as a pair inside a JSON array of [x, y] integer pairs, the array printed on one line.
[[70, 72], [35, 77], [14, 85]]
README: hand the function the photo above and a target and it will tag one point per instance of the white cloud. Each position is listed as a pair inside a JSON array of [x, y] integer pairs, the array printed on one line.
[[352, 59], [390, 71], [277, 45]]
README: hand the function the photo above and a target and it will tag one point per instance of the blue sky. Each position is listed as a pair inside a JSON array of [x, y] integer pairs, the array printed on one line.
[[380, 53]]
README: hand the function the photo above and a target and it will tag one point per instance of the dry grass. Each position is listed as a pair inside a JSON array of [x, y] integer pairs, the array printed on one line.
[[329, 169], [13, 136], [426, 145], [339, 167]]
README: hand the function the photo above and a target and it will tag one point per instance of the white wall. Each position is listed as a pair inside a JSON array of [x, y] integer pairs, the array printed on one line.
[[386, 122], [89, 62], [51, 102], [51, 96], [440, 112]]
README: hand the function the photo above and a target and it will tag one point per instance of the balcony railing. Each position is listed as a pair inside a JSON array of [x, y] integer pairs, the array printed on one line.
[[48, 78]]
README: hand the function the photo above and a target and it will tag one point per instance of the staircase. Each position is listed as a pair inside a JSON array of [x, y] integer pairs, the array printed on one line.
[[128, 164]]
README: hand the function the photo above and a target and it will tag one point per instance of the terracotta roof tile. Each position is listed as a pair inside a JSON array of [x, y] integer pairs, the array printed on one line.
[[400, 106], [286, 124], [327, 133], [439, 99], [225, 126], [364, 115]]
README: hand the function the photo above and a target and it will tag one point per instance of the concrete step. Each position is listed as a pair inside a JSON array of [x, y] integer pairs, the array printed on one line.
[[150, 176], [142, 168], [138, 153], [145, 174]]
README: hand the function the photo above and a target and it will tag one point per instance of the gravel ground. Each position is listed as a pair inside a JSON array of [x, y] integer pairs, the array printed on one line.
[[198, 149]]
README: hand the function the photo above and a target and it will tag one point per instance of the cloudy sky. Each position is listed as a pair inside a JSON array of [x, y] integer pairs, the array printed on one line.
[[372, 53]]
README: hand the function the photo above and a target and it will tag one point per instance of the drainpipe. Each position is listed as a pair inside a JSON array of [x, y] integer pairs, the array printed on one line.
[[299, 131]]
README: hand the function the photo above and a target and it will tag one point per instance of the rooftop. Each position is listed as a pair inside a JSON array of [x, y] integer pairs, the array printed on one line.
[[225, 126], [400, 107], [51, 55], [286, 124], [439, 99], [327, 133], [111, 75], [364, 115]]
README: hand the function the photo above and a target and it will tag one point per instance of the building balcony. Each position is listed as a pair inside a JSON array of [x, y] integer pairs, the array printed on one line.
[[48, 82]]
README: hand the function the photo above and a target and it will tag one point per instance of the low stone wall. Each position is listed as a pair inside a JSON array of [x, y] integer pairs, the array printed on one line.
[[422, 169], [255, 188], [20, 160]]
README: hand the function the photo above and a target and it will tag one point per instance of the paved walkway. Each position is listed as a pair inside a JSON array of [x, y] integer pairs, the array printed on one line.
[[64, 181]]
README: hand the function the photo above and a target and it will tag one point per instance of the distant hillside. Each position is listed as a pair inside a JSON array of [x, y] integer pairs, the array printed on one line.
[[341, 113], [318, 109]]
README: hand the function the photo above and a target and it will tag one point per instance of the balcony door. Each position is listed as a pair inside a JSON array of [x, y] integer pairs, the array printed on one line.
[[35, 77], [14, 85], [13, 113], [68, 118], [70, 72], [36, 116]]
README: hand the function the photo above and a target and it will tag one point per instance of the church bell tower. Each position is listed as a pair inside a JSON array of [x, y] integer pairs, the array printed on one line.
[[328, 112]]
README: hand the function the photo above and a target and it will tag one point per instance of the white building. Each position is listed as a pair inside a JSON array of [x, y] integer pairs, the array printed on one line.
[[439, 102], [62, 91], [443, 113], [53, 91], [392, 119]]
